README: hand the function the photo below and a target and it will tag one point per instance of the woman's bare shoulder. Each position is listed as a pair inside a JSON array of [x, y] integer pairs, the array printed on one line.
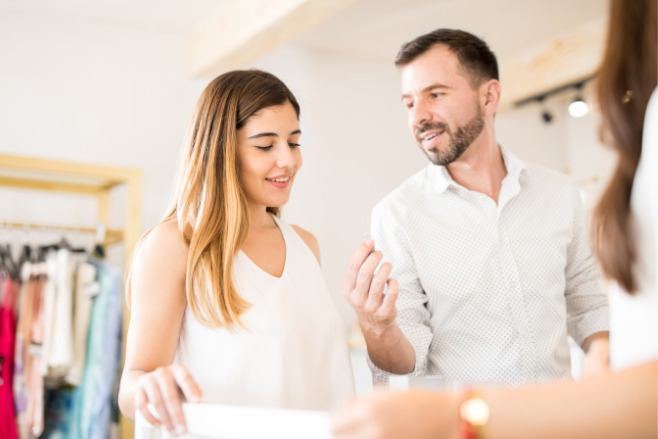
[[161, 256], [310, 240]]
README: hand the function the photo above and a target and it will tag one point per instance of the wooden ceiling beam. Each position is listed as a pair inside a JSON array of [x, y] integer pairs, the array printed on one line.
[[243, 31], [564, 60]]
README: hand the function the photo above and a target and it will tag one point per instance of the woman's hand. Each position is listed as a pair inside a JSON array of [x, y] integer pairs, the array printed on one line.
[[165, 389], [414, 414]]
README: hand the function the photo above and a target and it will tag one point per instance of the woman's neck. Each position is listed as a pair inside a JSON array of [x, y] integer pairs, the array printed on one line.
[[259, 217]]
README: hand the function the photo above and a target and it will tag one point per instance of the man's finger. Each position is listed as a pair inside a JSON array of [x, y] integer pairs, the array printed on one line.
[[355, 263], [359, 294], [376, 292], [388, 304]]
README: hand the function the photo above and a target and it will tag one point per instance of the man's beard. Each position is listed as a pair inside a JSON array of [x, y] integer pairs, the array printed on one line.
[[459, 141]]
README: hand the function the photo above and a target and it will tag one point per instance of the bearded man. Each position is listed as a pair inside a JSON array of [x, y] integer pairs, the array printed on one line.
[[486, 258]]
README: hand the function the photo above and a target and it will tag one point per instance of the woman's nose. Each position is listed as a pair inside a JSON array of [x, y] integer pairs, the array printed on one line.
[[285, 156]]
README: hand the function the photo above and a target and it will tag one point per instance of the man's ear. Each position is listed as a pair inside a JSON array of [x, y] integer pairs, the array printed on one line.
[[490, 96]]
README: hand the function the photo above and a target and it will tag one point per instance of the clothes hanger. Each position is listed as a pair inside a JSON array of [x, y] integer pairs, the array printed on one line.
[[99, 239], [8, 263]]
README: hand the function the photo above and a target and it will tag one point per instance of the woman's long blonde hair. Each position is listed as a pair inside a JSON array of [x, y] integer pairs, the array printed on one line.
[[210, 206]]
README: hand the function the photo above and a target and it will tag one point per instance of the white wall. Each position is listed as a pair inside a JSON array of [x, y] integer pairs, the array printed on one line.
[[95, 94], [99, 94]]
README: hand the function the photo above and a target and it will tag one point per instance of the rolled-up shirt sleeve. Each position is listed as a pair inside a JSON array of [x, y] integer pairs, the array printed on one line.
[[412, 313], [586, 300]]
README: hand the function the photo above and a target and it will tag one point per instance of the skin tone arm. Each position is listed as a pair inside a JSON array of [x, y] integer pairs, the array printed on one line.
[[597, 360], [363, 288], [608, 406], [310, 240], [157, 306]]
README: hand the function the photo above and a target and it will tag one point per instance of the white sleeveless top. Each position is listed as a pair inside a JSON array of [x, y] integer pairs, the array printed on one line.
[[634, 319], [294, 352]]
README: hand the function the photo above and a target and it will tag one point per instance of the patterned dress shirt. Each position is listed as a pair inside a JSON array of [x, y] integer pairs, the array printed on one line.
[[489, 292]]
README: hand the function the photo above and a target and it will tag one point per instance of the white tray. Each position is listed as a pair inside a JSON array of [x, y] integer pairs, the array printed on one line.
[[215, 421]]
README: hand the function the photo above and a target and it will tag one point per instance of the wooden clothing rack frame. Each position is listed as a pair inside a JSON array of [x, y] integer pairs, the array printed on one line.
[[80, 178]]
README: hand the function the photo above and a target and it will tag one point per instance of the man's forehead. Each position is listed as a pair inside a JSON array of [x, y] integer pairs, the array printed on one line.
[[433, 71]]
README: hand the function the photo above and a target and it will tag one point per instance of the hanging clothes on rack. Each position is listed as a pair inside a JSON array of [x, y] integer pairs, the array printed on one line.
[[60, 343], [86, 410], [94, 399], [86, 288], [8, 293], [34, 418], [21, 357]]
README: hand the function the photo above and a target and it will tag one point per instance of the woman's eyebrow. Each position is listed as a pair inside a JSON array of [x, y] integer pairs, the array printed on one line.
[[256, 136], [259, 135]]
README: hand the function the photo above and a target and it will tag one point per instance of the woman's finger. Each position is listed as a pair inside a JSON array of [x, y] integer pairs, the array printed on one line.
[[141, 404], [186, 383], [173, 401], [155, 398]]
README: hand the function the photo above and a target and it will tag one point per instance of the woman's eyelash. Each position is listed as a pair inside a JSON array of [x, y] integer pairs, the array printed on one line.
[[294, 145], [264, 148]]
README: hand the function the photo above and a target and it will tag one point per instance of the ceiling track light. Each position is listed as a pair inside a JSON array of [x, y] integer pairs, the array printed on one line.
[[577, 108], [546, 114]]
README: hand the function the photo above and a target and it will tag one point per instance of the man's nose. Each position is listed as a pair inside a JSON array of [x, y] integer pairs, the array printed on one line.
[[419, 114]]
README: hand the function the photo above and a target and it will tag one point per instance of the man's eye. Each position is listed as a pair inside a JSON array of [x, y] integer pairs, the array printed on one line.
[[264, 148], [409, 105]]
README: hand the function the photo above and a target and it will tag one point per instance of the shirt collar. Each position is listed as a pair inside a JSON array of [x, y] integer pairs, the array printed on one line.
[[516, 169], [440, 179]]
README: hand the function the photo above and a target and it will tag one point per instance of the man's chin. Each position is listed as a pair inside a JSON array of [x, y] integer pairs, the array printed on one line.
[[438, 159]]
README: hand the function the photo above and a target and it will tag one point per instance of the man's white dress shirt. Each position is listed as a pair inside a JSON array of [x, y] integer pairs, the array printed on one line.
[[489, 292]]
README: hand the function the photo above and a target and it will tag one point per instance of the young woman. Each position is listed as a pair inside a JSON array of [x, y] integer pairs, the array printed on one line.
[[227, 301], [614, 404]]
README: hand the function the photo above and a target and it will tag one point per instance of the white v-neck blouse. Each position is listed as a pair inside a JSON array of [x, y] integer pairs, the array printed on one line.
[[294, 353], [634, 319]]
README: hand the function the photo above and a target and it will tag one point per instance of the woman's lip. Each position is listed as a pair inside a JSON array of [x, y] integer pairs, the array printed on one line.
[[280, 181], [279, 184]]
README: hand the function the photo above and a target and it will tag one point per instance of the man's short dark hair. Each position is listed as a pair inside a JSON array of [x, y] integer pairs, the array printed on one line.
[[473, 54]]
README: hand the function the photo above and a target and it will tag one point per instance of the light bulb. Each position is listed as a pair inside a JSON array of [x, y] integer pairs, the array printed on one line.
[[578, 108]]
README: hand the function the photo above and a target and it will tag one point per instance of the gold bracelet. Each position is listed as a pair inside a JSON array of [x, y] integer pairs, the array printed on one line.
[[474, 415]]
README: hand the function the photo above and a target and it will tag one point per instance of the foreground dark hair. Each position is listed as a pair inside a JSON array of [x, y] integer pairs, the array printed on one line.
[[627, 77]]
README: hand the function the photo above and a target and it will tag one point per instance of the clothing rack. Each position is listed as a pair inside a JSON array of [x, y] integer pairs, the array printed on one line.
[[88, 179], [111, 236]]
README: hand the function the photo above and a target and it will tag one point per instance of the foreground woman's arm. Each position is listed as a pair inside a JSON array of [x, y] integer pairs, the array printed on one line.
[[610, 405]]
